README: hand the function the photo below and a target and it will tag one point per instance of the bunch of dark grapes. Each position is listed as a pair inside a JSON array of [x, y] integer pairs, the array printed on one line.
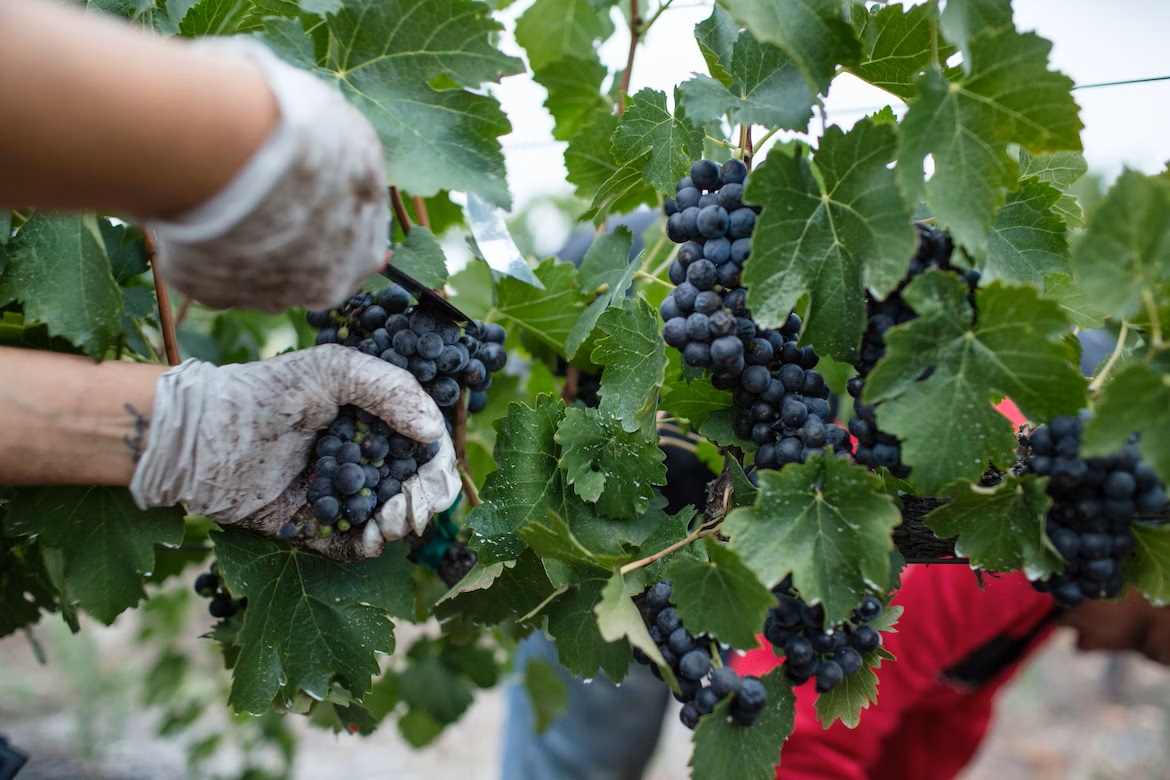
[[874, 447], [689, 657], [782, 401], [210, 585], [1094, 501], [813, 651]]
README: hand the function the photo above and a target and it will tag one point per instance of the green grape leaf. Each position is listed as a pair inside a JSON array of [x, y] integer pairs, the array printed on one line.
[[574, 94], [720, 596], [607, 466], [618, 618], [825, 522], [621, 192], [430, 685], [126, 250], [1125, 251], [520, 588], [724, 749], [716, 37], [1080, 309], [547, 693], [1016, 349], [546, 315], [767, 89], [554, 539], [432, 139], [589, 158], [607, 272], [580, 646], [634, 359], [671, 530], [647, 126], [309, 621], [473, 289], [896, 47], [694, 400], [1137, 398], [1028, 240], [829, 235], [719, 429], [847, 700], [966, 19], [48, 250], [1148, 570], [1010, 96], [813, 32], [999, 528], [105, 542], [1060, 169], [218, 17], [421, 256], [552, 30], [25, 587]]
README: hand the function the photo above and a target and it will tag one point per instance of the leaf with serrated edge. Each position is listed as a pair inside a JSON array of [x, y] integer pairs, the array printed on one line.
[[824, 521], [518, 591], [105, 541], [580, 646], [608, 466], [574, 94], [720, 596], [716, 36], [693, 401], [421, 257], [724, 749], [432, 139], [1010, 96], [1080, 309], [1015, 349], [634, 359], [554, 539], [1125, 251], [552, 30], [547, 315], [480, 577], [52, 248], [1148, 569], [647, 126], [1137, 398], [999, 528], [310, 621], [827, 235], [618, 618], [218, 17], [623, 190], [1060, 169], [845, 702], [606, 268], [965, 19], [1028, 240], [896, 47], [672, 529]]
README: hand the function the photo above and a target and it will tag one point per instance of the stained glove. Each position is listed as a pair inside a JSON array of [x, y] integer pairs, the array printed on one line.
[[234, 441], [304, 223]]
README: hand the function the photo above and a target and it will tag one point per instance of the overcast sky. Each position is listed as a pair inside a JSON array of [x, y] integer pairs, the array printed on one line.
[[1093, 42]]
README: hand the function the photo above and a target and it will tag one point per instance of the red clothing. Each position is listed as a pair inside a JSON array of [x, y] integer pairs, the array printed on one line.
[[922, 727]]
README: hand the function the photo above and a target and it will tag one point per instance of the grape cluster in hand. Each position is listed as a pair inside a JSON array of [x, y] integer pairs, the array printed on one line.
[[689, 657], [874, 447], [210, 585], [812, 650], [781, 400], [1094, 501]]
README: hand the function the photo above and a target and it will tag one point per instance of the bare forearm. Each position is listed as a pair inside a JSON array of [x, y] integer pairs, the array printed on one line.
[[102, 116], [67, 420]]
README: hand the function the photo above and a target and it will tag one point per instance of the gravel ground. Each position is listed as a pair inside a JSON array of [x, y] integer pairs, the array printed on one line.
[[1067, 716]]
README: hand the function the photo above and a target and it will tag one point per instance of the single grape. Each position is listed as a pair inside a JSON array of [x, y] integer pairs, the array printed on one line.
[[326, 509], [403, 468], [734, 172], [829, 676], [705, 174], [712, 221], [865, 639], [445, 391], [405, 343], [350, 452], [695, 664], [658, 596], [350, 478]]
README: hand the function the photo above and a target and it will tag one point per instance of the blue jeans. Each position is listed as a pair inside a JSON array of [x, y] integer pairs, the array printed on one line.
[[607, 732]]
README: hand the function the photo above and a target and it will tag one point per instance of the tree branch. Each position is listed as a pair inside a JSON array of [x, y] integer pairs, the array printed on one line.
[[166, 317], [635, 36], [569, 388]]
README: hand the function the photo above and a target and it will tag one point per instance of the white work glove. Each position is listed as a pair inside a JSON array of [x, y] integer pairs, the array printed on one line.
[[305, 221], [234, 442]]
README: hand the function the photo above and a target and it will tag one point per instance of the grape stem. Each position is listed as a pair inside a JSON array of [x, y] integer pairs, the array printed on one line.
[[635, 36], [1155, 323], [745, 144], [766, 137], [651, 278], [420, 211], [569, 388], [166, 316], [719, 142], [654, 17], [704, 530], [469, 488], [400, 210], [1118, 348]]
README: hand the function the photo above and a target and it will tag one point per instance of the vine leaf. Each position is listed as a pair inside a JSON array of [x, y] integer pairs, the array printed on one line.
[[724, 749], [716, 37], [105, 543], [1125, 251], [580, 646], [694, 400], [825, 235], [824, 521], [547, 316], [1060, 169], [552, 30], [1028, 240], [634, 358], [520, 588], [49, 249], [421, 256], [1009, 96], [607, 271], [592, 168], [618, 617], [647, 126], [309, 621], [219, 17], [964, 20], [433, 139], [1076, 304], [25, 586], [847, 700], [624, 189], [1147, 570], [1016, 349], [609, 467], [767, 89], [999, 528], [1136, 399], [896, 47], [720, 596], [554, 539], [814, 33], [574, 94]]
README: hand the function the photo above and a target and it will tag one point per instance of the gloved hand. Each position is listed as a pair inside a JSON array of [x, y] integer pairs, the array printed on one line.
[[234, 442], [305, 221]]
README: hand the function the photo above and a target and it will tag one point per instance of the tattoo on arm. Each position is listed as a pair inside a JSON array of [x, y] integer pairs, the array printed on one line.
[[136, 441]]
